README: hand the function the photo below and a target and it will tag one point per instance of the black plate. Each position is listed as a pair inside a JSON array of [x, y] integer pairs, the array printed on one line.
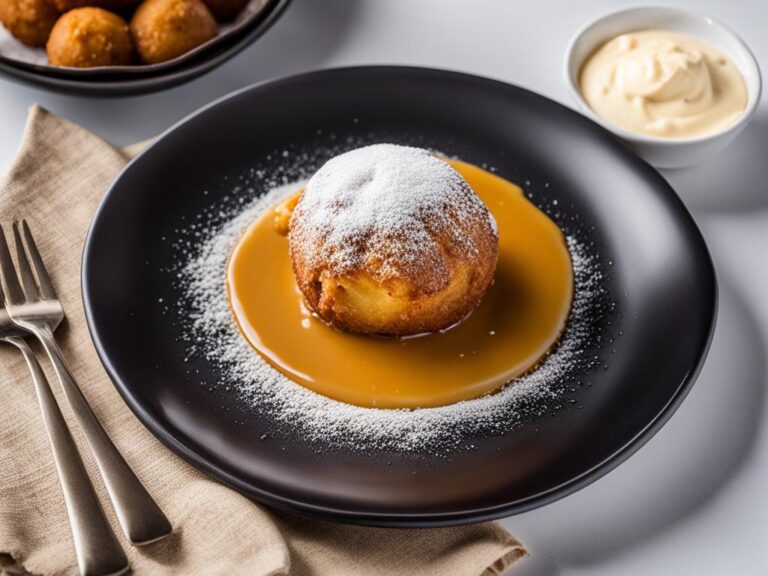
[[661, 281], [146, 79]]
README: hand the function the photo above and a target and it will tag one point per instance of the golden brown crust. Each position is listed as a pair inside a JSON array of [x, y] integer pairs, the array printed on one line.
[[358, 303], [166, 29], [88, 37], [29, 21], [226, 10], [383, 289]]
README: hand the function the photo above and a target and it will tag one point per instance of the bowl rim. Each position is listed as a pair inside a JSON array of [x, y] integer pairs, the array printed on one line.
[[753, 70]]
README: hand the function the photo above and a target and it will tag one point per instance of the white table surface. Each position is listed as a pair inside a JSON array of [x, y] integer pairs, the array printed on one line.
[[694, 500]]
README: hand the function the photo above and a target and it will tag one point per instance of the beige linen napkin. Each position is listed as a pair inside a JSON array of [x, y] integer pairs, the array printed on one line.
[[56, 182]]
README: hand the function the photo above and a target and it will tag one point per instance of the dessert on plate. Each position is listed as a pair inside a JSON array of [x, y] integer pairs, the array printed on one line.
[[391, 240], [395, 278]]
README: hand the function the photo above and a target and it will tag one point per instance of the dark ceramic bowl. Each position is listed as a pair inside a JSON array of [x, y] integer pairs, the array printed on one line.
[[143, 79], [657, 274]]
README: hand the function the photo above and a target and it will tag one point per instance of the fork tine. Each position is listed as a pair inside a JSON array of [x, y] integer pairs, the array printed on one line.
[[46, 287], [8, 278], [27, 278]]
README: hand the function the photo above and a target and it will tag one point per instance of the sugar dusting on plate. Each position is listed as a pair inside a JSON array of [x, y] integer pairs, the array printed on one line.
[[210, 333]]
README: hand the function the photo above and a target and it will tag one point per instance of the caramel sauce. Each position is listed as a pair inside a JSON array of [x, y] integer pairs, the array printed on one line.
[[518, 321]]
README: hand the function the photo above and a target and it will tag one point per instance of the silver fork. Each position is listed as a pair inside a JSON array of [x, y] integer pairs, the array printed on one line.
[[96, 547], [36, 309]]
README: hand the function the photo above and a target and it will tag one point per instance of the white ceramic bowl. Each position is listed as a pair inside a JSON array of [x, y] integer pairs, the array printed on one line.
[[666, 152]]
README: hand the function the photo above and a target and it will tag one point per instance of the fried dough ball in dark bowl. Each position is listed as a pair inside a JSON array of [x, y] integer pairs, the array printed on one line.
[[88, 37], [29, 21], [226, 10], [65, 5], [391, 240], [165, 29]]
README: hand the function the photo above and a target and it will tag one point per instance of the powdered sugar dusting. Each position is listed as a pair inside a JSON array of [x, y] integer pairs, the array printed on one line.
[[393, 205], [210, 331]]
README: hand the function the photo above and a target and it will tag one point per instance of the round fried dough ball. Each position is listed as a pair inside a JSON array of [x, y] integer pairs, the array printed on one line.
[[29, 21], [165, 29], [391, 240], [64, 5], [226, 10], [87, 37]]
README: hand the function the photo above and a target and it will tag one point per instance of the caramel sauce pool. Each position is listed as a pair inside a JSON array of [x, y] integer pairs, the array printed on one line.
[[518, 321]]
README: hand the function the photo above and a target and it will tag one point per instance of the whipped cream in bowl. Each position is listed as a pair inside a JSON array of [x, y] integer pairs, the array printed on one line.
[[677, 87]]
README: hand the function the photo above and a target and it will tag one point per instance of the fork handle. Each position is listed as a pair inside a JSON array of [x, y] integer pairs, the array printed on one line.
[[98, 551], [139, 515]]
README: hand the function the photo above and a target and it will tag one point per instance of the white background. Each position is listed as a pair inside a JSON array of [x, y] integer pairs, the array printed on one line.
[[694, 500]]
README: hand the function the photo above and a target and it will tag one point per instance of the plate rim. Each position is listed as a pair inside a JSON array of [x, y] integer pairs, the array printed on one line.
[[399, 519]]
